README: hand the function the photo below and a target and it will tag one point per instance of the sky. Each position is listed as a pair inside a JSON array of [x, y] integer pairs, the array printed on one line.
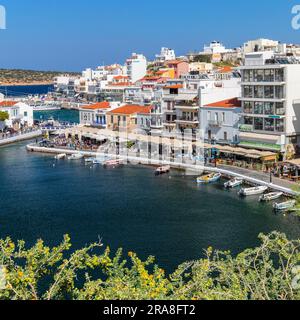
[[69, 35]]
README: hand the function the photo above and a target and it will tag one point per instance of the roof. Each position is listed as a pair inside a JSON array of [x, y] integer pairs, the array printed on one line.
[[174, 86], [229, 103], [8, 103], [120, 77], [225, 69], [131, 109], [96, 106], [175, 62]]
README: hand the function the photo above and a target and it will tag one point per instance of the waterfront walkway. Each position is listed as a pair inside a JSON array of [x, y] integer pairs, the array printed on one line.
[[252, 177], [20, 137]]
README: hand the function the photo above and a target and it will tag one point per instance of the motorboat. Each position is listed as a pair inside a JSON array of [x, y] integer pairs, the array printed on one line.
[[60, 156], [253, 191], [162, 170], [288, 205], [271, 196], [209, 178], [76, 156], [89, 160], [113, 163], [233, 183]]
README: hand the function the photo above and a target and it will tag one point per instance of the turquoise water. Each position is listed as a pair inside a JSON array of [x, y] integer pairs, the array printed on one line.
[[60, 115], [171, 218]]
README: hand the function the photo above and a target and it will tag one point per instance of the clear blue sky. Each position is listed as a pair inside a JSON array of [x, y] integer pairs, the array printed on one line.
[[71, 35]]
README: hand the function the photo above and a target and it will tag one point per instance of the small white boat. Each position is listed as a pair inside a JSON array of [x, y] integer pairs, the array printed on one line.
[[284, 205], [233, 183], [89, 160], [162, 170], [76, 156], [113, 163], [209, 178], [271, 196], [252, 191], [60, 156]]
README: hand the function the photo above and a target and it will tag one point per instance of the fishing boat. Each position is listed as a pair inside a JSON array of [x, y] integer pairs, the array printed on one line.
[[271, 196], [60, 156], [284, 205], [209, 178], [113, 163], [233, 183], [252, 191], [76, 156], [89, 160], [162, 170]]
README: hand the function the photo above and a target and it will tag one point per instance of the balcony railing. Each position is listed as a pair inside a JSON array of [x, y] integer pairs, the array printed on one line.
[[215, 123]]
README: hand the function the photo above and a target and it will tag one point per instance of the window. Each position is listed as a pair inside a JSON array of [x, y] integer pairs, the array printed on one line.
[[248, 107], [279, 75], [269, 108], [258, 124], [269, 92], [248, 76], [280, 111], [209, 115], [269, 75], [111, 119], [279, 92], [259, 108], [259, 75], [25, 114], [248, 92], [269, 125], [225, 136], [279, 125], [259, 92], [248, 121]]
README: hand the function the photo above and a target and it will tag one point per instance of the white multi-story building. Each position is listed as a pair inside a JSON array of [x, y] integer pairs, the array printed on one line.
[[65, 85], [270, 102], [166, 54], [260, 45], [215, 47], [136, 67], [20, 114]]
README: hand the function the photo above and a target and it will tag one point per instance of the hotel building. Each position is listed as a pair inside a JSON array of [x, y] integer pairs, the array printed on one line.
[[270, 102]]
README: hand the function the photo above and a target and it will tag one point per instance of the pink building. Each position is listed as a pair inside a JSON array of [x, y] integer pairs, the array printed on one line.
[[181, 67]]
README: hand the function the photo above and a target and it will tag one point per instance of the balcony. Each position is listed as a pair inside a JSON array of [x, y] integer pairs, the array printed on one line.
[[187, 105], [215, 123], [186, 120]]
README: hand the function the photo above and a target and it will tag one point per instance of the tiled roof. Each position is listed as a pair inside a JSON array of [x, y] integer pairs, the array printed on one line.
[[96, 106], [8, 103], [131, 109], [229, 103], [175, 86]]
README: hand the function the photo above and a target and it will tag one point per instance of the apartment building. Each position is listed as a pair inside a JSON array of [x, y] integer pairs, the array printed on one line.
[[270, 102], [136, 67]]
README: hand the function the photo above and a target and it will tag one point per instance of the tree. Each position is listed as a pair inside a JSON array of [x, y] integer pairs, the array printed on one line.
[[4, 115], [265, 273]]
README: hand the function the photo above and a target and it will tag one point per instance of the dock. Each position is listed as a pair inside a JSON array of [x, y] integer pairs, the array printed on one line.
[[21, 137], [192, 169]]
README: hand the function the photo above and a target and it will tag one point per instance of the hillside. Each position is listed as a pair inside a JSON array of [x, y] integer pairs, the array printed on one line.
[[27, 77]]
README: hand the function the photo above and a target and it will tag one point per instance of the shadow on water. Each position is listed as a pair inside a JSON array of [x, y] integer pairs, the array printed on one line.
[[169, 217]]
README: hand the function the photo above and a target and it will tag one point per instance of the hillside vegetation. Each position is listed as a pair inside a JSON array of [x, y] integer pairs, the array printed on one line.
[[23, 77]]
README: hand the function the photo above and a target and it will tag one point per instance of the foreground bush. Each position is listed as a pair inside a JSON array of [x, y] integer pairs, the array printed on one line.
[[264, 273]]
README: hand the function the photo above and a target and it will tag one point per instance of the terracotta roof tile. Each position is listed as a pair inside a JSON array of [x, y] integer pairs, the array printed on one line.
[[229, 103]]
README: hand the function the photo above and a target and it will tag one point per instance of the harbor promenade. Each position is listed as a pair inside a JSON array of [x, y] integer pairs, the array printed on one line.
[[20, 137], [252, 177]]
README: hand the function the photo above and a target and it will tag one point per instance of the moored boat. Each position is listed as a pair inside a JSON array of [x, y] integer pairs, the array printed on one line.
[[271, 196], [252, 191], [76, 156], [209, 178], [162, 170], [89, 160], [288, 205], [233, 183], [113, 163], [60, 156]]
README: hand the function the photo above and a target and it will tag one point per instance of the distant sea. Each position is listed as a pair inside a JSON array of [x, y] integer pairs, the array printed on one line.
[[14, 91]]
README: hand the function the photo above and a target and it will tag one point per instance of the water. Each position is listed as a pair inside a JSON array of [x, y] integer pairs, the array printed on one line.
[[173, 219], [16, 91], [60, 115]]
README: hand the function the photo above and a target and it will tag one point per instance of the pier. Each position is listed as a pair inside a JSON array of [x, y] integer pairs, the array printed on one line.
[[192, 169], [20, 137]]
